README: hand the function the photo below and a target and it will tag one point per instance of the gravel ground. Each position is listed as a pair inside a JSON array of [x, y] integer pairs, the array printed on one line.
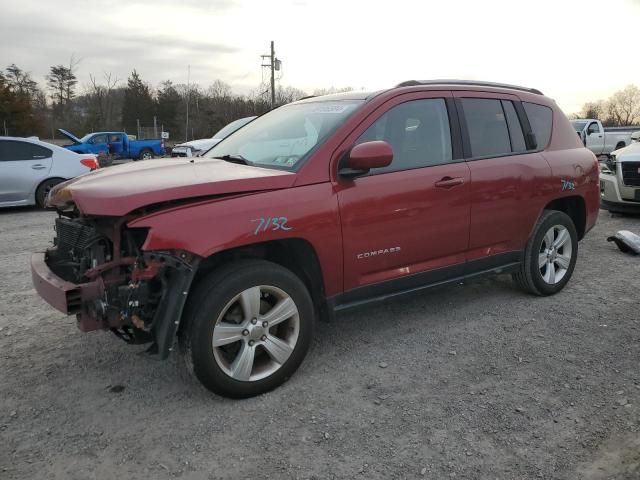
[[470, 382]]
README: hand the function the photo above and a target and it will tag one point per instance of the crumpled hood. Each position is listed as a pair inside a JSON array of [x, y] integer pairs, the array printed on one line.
[[203, 144], [121, 189], [630, 153]]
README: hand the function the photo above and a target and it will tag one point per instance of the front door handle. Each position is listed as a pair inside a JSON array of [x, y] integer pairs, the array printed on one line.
[[449, 182], [38, 166]]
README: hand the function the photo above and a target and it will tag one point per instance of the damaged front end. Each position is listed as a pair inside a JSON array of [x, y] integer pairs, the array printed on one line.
[[98, 271]]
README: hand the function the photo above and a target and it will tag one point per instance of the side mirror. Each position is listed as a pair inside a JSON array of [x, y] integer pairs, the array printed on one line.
[[364, 157]]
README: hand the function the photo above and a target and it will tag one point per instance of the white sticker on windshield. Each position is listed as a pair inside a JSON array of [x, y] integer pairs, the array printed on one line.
[[329, 108]]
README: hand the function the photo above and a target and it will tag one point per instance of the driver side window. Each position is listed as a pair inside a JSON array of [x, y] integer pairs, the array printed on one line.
[[594, 128], [418, 132]]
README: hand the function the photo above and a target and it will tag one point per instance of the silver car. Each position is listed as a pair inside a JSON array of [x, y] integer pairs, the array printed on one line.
[[29, 168], [196, 147]]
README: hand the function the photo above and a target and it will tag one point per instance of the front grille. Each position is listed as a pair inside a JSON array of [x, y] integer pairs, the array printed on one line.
[[630, 173], [71, 235]]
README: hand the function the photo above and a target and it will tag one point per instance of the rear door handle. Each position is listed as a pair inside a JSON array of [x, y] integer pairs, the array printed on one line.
[[449, 182], [38, 166]]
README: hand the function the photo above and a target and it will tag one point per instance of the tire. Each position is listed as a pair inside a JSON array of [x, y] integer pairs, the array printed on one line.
[[620, 145], [43, 190], [546, 271], [146, 154], [275, 352]]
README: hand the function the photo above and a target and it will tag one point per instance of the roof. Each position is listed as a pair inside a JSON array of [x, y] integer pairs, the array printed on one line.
[[366, 95], [475, 83]]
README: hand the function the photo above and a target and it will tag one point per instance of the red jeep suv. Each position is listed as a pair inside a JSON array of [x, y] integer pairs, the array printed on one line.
[[315, 207]]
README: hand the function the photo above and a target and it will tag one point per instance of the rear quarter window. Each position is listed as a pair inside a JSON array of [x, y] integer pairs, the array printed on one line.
[[541, 120]]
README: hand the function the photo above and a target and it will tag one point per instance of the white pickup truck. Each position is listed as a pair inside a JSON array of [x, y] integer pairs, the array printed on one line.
[[601, 140]]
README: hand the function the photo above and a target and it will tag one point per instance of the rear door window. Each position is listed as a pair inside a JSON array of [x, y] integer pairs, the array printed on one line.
[[487, 127], [11, 150], [540, 118]]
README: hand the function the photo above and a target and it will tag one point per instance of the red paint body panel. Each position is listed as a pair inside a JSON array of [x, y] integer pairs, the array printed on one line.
[[121, 189], [403, 210], [217, 225], [508, 195]]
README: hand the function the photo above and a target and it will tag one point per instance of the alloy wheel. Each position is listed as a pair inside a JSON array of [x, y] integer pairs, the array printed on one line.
[[554, 257], [256, 333]]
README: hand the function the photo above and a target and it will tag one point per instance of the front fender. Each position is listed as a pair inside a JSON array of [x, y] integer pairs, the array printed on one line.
[[208, 227]]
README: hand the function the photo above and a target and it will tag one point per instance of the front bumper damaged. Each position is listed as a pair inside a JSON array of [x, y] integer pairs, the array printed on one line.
[[67, 297], [93, 302]]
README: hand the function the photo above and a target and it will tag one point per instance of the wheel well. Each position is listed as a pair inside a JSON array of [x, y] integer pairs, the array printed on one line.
[[35, 191], [575, 208], [620, 145], [294, 254]]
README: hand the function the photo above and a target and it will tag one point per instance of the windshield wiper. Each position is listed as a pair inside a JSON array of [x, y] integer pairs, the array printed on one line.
[[235, 159]]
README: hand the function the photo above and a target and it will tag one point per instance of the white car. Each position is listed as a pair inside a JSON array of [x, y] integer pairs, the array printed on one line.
[[196, 147], [29, 168]]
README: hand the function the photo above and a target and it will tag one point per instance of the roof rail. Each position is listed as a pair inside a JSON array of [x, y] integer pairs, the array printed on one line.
[[413, 83]]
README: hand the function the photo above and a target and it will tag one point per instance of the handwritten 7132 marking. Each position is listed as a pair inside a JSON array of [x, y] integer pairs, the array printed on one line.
[[271, 223]]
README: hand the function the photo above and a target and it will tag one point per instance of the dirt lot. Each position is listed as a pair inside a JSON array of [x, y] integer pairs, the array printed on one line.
[[471, 382]]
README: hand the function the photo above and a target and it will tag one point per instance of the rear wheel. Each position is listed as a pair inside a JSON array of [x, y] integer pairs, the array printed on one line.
[[248, 328], [43, 190], [620, 145], [550, 255], [146, 154]]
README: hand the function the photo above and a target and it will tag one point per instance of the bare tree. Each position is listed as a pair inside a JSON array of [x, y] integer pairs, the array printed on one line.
[[219, 90], [330, 90], [102, 98], [595, 110], [286, 95], [623, 108]]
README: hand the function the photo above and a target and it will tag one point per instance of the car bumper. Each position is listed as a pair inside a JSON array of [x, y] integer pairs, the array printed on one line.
[[615, 196], [67, 297]]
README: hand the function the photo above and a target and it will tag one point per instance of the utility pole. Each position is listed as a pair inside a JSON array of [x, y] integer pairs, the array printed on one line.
[[186, 129], [274, 64], [273, 76]]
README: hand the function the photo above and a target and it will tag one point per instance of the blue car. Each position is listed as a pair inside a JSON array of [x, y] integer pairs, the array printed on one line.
[[115, 144]]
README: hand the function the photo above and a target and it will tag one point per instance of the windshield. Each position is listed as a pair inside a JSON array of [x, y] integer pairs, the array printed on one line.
[[224, 132], [578, 125], [86, 137], [286, 135]]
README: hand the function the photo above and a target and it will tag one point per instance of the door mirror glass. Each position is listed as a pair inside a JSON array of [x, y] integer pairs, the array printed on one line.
[[365, 156]]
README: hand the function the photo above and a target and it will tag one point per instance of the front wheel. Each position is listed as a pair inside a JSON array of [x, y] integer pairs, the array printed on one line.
[[550, 255], [247, 328]]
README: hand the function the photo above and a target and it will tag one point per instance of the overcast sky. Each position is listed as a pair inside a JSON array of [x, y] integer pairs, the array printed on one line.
[[574, 51]]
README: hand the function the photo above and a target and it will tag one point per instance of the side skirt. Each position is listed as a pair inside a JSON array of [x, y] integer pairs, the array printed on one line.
[[501, 263]]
